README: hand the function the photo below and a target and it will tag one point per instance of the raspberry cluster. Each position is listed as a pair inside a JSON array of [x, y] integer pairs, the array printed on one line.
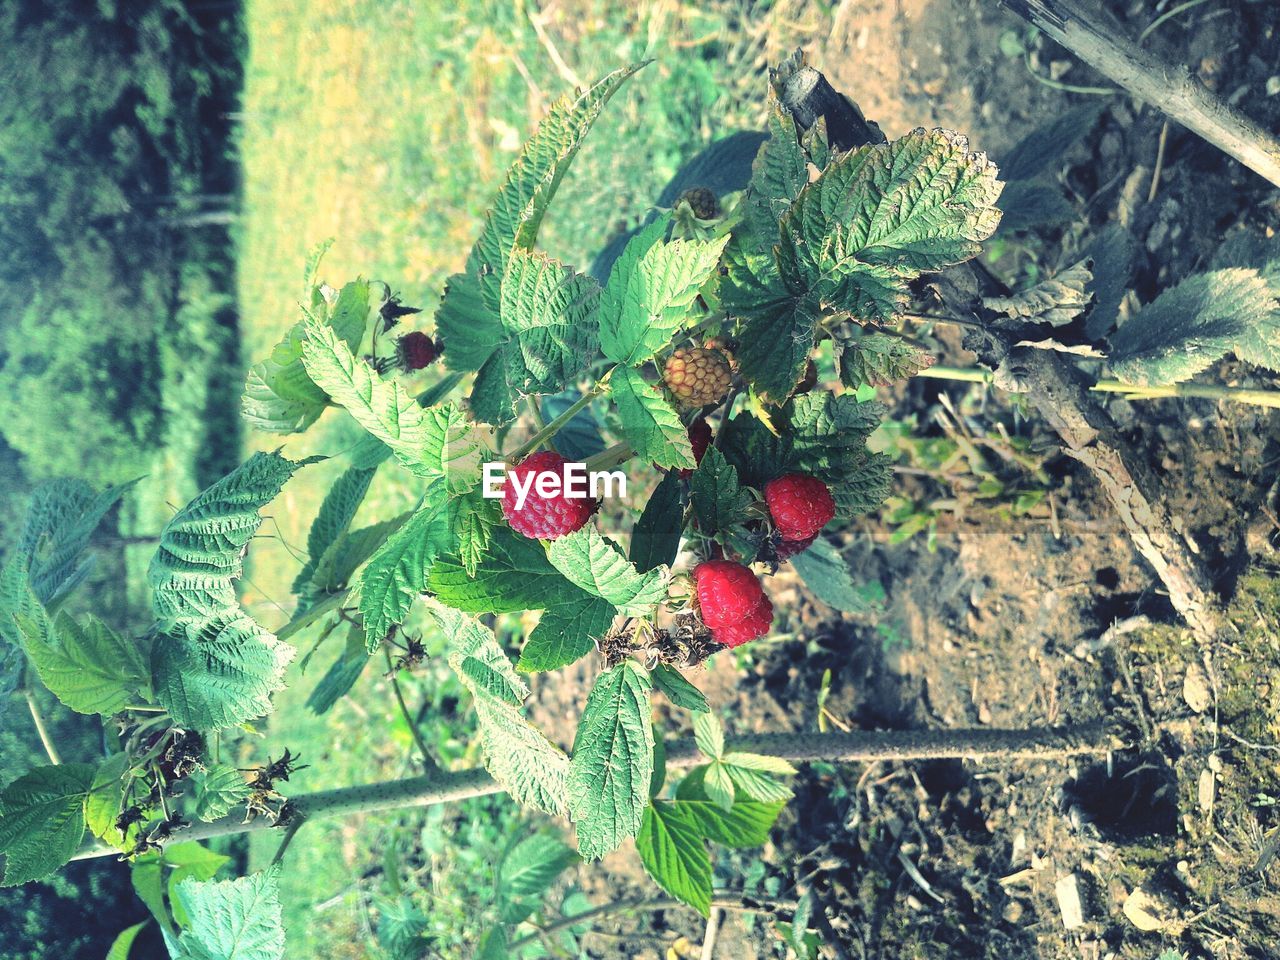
[[697, 376], [544, 518], [731, 602], [415, 350]]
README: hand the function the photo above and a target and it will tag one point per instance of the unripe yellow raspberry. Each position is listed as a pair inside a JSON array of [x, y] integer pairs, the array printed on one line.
[[697, 377]]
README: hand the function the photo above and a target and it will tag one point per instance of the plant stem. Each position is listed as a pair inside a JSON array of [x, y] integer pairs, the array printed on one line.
[[428, 762], [1169, 88], [721, 899], [290, 832], [552, 428], [862, 746], [38, 718]]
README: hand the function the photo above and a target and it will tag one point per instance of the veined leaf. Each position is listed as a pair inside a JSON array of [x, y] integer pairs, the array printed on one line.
[[718, 785], [123, 942], [337, 511], [651, 425], [237, 919], [279, 395], [679, 691], [1056, 300], [827, 575], [719, 501], [655, 539], [189, 860], [1190, 326], [397, 573], [1260, 343], [599, 567], [779, 173], [566, 633], [608, 783], [216, 790], [430, 443], [61, 518], [878, 359], [469, 314], [532, 768], [472, 518], [342, 673], [527, 872], [546, 335], [88, 666], [102, 803], [708, 733], [42, 820], [775, 344], [673, 851], [651, 292]]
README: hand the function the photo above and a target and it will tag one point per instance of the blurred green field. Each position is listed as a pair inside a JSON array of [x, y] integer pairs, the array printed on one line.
[[388, 126]]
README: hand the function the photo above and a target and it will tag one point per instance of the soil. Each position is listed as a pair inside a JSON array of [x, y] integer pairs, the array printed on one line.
[[1046, 615]]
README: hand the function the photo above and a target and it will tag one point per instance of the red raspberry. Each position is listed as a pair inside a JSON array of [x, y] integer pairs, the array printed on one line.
[[731, 602], [416, 350], [544, 518], [800, 505], [787, 549], [699, 439]]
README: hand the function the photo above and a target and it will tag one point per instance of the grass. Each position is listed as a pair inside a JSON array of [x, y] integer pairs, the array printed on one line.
[[388, 126]]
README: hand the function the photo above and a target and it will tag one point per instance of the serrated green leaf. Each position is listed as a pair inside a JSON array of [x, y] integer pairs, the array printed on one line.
[[883, 214], [774, 346], [655, 539], [718, 784], [708, 733], [102, 804], [398, 572], [435, 442], [650, 423], [61, 517], [42, 820], [599, 567], [778, 174], [216, 790], [513, 576], [650, 295], [746, 824], [755, 785], [608, 783], [472, 518], [827, 575], [237, 919], [469, 314], [659, 778], [878, 360], [527, 872], [516, 753], [337, 510], [566, 633], [1055, 300], [123, 942], [672, 850], [679, 691], [88, 666], [1190, 326], [719, 502], [189, 860], [1260, 343], [279, 395], [344, 556]]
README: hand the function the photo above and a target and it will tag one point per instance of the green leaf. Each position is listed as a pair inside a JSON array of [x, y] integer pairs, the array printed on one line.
[[61, 517], [397, 573], [649, 422], [827, 575], [655, 539], [566, 633], [279, 395], [883, 214], [469, 314], [746, 824], [599, 567], [608, 783], [672, 850], [651, 291], [472, 518], [217, 790], [123, 942], [1112, 254], [494, 945], [342, 673], [579, 439], [547, 335], [532, 769], [1190, 326], [513, 576], [708, 733], [88, 666], [774, 346], [1260, 343], [527, 872], [718, 785], [42, 820], [679, 691], [436, 442], [755, 784], [345, 555], [102, 804], [778, 174], [337, 511], [145, 874], [237, 919], [189, 860], [719, 502], [878, 359]]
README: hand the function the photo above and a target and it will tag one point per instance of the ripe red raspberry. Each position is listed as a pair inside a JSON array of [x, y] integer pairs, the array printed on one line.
[[731, 602], [786, 549], [800, 505], [699, 439], [697, 376], [416, 350], [544, 518]]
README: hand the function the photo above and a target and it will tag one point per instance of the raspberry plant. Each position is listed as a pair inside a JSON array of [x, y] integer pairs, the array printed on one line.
[[689, 359]]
